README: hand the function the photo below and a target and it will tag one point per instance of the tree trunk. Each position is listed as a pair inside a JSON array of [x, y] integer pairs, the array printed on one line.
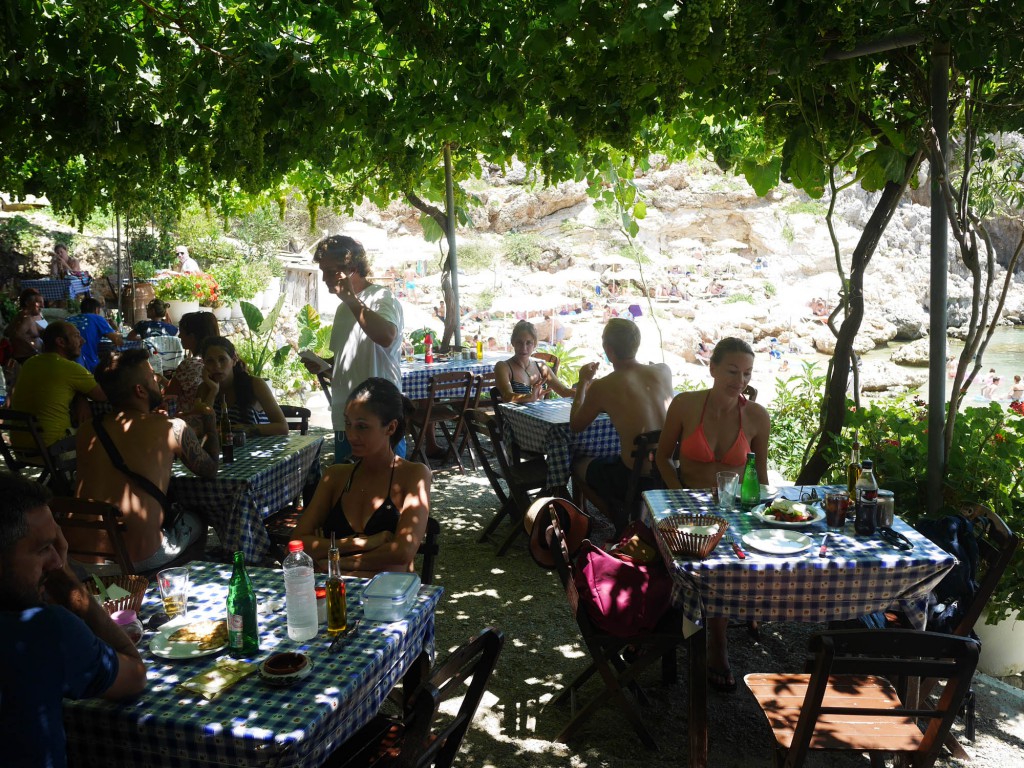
[[834, 403], [450, 313]]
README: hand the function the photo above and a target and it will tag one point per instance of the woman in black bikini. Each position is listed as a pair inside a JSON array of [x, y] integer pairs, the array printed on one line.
[[378, 507], [522, 379]]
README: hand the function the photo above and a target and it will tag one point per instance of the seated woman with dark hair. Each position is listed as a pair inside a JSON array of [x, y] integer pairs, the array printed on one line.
[[194, 329], [252, 407], [377, 508]]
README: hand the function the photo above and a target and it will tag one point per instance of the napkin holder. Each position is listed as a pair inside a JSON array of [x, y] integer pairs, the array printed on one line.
[[681, 538]]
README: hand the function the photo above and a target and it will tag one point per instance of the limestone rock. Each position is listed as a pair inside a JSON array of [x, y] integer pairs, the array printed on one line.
[[916, 354], [908, 318], [886, 377]]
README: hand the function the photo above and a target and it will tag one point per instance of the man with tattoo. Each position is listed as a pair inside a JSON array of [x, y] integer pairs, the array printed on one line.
[[148, 442]]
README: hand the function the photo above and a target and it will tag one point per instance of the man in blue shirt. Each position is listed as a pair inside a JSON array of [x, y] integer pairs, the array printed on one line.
[[55, 639], [93, 326]]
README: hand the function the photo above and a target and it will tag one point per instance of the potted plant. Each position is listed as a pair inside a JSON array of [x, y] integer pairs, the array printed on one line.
[[186, 293], [255, 345]]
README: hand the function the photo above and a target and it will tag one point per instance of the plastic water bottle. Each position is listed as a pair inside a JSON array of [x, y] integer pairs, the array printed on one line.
[[300, 593]]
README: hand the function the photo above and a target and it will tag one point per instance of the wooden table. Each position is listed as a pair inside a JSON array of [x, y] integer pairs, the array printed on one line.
[[859, 575], [543, 427], [252, 724], [268, 473]]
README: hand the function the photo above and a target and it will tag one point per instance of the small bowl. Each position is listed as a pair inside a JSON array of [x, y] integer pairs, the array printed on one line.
[[285, 668]]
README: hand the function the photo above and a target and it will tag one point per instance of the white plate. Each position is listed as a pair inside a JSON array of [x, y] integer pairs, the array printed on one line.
[[162, 647], [777, 541], [760, 511]]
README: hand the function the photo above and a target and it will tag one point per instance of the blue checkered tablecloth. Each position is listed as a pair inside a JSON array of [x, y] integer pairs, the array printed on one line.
[[416, 375], [543, 427], [58, 290], [252, 724], [859, 575], [268, 473]]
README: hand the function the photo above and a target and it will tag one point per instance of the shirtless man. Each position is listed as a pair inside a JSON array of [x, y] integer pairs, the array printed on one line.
[[634, 395], [148, 442], [25, 329]]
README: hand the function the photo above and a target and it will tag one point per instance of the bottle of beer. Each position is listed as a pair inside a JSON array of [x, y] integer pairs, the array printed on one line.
[[337, 617], [243, 631], [853, 470], [750, 489], [227, 443], [866, 519]]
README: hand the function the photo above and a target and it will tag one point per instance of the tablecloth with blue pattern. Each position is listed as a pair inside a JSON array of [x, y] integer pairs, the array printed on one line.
[[268, 473], [252, 724], [62, 289], [416, 375], [543, 427], [859, 574]]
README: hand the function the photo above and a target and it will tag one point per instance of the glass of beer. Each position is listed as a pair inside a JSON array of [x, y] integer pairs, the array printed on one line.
[[173, 583], [836, 506]]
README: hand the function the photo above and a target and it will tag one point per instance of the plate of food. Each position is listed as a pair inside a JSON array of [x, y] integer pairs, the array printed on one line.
[[285, 668], [185, 639], [777, 541], [785, 513]]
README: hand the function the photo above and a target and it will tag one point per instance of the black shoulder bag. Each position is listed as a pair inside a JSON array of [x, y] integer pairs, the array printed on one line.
[[171, 513]]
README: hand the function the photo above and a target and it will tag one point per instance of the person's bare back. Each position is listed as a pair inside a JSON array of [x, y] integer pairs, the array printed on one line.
[[25, 335], [148, 443], [636, 398]]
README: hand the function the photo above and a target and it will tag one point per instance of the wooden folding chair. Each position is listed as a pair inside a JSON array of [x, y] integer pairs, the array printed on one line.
[[517, 453], [94, 530], [297, 418], [447, 400], [417, 740], [23, 450], [429, 549], [859, 695], [643, 477], [515, 483], [617, 660], [552, 360]]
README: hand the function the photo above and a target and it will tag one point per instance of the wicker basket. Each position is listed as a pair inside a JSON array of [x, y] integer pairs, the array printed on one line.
[[136, 585], [688, 544]]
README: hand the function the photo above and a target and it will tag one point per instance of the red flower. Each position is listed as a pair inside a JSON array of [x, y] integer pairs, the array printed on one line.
[[1000, 437], [891, 442]]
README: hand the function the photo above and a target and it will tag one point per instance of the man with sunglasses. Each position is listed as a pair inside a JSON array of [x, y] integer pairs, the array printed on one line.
[[367, 334], [185, 262]]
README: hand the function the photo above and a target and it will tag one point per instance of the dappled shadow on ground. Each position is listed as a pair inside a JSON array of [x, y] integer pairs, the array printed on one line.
[[542, 653]]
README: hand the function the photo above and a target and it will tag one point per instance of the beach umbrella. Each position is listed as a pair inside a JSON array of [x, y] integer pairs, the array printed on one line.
[[583, 275], [686, 244], [614, 260]]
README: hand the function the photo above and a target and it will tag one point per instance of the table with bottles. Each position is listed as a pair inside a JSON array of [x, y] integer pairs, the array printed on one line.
[[416, 373], [267, 474], [252, 723], [858, 575]]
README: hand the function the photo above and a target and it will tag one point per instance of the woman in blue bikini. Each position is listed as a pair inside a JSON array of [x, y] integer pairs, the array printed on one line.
[[378, 507], [521, 379]]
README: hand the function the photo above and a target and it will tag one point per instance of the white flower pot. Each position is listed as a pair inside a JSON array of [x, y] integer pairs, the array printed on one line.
[[257, 300], [1002, 646], [236, 311], [175, 309], [222, 313]]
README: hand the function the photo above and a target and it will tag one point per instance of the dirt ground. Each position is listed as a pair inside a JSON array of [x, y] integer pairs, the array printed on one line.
[[516, 722]]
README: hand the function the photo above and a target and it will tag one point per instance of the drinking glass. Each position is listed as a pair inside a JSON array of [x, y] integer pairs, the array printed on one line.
[[836, 506], [727, 482], [173, 584]]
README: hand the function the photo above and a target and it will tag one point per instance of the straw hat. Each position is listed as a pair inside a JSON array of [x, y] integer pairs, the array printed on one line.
[[575, 524]]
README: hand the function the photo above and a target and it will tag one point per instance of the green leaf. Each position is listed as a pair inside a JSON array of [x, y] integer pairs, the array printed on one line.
[[879, 166], [281, 355], [253, 316], [761, 178]]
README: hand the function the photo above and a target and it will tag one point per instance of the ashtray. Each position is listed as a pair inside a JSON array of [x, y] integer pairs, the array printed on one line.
[[285, 668]]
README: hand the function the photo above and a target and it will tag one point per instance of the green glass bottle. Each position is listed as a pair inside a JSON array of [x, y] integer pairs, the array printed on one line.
[[243, 631], [750, 489]]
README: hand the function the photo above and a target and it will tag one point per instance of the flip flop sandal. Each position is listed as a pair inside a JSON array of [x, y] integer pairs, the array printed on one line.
[[721, 680]]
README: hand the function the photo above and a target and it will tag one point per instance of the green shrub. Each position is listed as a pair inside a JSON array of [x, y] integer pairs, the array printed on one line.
[[794, 415], [521, 250], [770, 290], [736, 298], [475, 257]]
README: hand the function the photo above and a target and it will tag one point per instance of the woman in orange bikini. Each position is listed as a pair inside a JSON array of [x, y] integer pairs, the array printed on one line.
[[713, 430]]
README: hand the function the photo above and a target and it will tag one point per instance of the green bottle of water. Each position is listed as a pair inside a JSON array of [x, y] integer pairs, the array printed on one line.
[[750, 489], [243, 632]]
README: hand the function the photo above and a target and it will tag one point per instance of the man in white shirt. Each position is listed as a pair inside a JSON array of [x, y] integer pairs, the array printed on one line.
[[367, 335], [185, 262]]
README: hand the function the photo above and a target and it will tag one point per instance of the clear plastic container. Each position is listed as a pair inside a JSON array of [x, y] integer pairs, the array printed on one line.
[[389, 596], [300, 593]]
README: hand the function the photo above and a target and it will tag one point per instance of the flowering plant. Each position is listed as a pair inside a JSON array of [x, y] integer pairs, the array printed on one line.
[[197, 286]]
